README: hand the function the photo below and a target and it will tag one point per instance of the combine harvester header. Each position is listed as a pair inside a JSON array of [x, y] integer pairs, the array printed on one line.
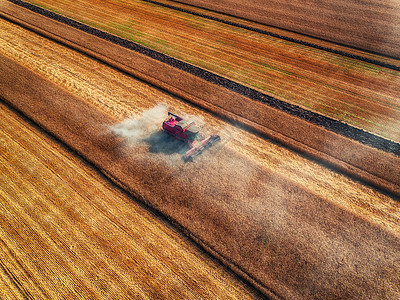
[[188, 132]]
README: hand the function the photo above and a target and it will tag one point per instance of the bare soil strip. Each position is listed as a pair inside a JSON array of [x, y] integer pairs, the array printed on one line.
[[370, 25], [286, 38], [369, 164], [360, 94], [288, 241], [66, 232]]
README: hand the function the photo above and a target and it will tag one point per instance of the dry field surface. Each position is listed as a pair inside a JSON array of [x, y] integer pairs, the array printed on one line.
[[370, 25], [359, 160], [356, 92], [66, 232], [292, 227]]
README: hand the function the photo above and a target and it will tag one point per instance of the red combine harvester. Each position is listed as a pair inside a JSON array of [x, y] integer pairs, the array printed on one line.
[[187, 131]]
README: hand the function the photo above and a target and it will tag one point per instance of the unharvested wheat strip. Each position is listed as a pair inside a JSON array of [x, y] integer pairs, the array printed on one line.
[[40, 213], [92, 256], [40, 253], [23, 283], [9, 289], [50, 228], [69, 70], [318, 99]]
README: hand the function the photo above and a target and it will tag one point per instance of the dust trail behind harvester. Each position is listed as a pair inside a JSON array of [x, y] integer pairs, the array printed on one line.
[[145, 130], [137, 128]]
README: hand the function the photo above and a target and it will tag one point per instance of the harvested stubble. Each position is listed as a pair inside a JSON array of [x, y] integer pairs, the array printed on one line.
[[355, 92], [364, 162], [370, 25], [284, 238], [67, 232]]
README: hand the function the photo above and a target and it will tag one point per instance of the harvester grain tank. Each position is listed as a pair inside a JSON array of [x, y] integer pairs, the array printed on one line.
[[188, 132]]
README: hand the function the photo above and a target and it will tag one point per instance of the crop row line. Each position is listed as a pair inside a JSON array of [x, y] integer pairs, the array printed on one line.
[[257, 69], [333, 125], [286, 38]]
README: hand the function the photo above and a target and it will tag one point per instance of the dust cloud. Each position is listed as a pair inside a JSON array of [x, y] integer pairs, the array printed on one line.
[[139, 127], [144, 130]]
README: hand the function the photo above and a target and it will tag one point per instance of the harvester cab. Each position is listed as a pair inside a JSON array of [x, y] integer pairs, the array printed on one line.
[[188, 132]]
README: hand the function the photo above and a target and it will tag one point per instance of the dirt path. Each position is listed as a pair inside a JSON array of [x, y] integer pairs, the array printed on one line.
[[265, 209]]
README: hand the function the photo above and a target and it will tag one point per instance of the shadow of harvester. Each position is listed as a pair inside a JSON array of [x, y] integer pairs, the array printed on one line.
[[160, 142]]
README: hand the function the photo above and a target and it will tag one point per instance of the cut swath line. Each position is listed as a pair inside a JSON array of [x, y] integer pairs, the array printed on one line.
[[312, 117], [234, 72]]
